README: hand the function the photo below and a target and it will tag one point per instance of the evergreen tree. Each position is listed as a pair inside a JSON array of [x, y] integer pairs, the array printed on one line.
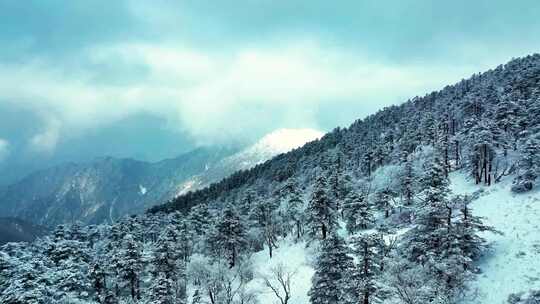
[[321, 212], [357, 212], [161, 290], [330, 281], [367, 275], [292, 207], [199, 219], [384, 201], [467, 226], [528, 166], [425, 239], [228, 237], [407, 183], [98, 277], [132, 265]]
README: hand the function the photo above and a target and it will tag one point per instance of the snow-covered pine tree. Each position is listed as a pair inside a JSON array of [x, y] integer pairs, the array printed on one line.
[[528, 166], [161, 291], [367, 276], [330, 281], [321, 211], [467, 227], [132, 265], [383, 199], [358, 212], [292, 205], [407, 182], [424, 240], [228, 236], [98, 278], [264, 217]]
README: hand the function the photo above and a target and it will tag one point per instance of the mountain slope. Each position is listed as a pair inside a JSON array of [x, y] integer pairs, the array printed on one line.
[[16, 230], [109, 188], [102, 190], [365, 213], [504, 100], [275, 143], [512, 265]]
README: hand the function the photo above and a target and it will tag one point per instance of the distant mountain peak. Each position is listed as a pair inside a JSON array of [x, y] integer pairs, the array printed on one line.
[[274, 143], [285, 140]]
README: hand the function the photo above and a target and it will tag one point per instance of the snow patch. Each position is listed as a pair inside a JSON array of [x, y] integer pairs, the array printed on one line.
[[142, 190], [294, 257], [513, 263]]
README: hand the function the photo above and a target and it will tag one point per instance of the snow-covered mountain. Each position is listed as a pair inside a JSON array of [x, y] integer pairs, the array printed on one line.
[[274, 143], [108, 188], [101, 190], [432, 201]]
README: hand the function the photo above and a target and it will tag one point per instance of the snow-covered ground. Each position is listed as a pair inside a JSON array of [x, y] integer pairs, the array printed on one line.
[[295, 257], [513, 264]]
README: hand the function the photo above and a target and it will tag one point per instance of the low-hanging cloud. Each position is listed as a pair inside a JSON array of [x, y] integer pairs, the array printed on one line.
[[215, 96], [4, 149]]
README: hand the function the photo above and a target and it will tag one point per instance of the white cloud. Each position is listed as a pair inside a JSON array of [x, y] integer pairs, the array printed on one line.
[[217, 96], [46, 141], [4, 149]]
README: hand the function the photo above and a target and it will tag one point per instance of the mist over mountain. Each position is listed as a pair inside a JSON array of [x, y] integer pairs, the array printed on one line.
[[275, 143], [102, 190], [431, 201], [109, 188]]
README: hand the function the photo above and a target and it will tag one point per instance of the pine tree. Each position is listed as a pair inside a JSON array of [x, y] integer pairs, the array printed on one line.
[[384, 201], [529, 166], [228, 237], [169, 258], [161, 290], [357, 212], [98, 277], [367, 275], [467, 226], [199, 219], [425, 239], [321, 212], [329, 283], [407, 183], [293, 205], [132, 265]]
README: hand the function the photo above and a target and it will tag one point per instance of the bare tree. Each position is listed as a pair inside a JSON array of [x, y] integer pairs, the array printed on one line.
[[279, 282]]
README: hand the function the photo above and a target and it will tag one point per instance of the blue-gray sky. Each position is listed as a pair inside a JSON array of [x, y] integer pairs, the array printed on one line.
[[151, 79]]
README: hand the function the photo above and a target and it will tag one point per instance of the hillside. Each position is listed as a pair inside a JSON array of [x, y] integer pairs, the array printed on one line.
[[102, 190], [109, 188], [15, 230], [506, 97], [432, 201]]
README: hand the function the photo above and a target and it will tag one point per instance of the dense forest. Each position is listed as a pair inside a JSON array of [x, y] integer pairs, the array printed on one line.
[[371, 201]]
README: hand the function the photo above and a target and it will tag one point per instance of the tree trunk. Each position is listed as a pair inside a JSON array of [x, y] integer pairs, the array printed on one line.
[[485, 165], [133, 295], [269, 240], [457, 153], [233, 258], [297, 230], [324, 232]]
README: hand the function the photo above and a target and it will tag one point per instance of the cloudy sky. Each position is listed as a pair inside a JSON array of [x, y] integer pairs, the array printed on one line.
[[151, 79]]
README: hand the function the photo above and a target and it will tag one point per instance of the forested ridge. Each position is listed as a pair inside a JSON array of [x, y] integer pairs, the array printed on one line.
[[371, 203], [499, 106]]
